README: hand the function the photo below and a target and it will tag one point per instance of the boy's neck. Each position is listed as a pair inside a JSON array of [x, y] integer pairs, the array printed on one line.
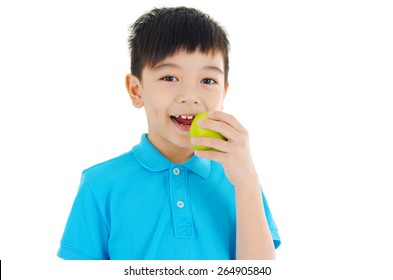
[[173, 153]]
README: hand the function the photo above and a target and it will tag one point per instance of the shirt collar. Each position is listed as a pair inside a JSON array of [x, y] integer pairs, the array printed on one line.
[[150, 158]]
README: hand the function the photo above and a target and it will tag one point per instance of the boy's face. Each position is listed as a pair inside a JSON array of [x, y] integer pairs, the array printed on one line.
[[174, 91]]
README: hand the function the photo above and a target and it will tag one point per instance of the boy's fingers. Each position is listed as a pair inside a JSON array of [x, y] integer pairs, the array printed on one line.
[[227, 118], [223, 128], [215, 143]]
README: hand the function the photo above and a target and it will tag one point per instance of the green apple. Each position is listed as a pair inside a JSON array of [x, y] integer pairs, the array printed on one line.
[[196, 131]]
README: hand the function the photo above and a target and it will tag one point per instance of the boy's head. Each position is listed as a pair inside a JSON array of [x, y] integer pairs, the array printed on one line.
[[162, 32], [179, 68]]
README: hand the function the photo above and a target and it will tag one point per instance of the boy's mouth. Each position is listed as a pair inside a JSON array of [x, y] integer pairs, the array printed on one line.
[[183, 122]]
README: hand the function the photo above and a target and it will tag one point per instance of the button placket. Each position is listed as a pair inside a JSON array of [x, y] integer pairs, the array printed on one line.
[[182, 220]]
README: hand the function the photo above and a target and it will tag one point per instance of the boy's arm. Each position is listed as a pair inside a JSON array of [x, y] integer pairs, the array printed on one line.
[[253, 237]]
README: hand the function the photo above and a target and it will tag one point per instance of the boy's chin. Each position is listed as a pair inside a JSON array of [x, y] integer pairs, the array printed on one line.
[[183, 142], [185, 146]]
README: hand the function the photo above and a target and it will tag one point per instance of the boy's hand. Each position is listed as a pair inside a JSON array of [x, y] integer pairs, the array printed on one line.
[[253, 237], [234, 154]]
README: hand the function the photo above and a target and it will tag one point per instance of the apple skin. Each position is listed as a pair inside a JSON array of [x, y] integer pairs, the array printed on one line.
[[196, 131]]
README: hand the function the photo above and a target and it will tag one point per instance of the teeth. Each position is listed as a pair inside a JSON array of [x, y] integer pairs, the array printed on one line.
[[184, 117]]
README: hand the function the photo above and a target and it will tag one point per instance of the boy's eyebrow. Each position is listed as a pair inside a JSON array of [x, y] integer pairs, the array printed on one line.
[[165, 65], [172, 65], [214, 68]]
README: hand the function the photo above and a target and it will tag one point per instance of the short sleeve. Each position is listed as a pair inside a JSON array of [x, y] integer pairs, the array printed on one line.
[[86, 233], [272, 225]]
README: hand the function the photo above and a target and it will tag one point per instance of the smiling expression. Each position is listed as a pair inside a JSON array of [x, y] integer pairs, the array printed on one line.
[[173, 92]]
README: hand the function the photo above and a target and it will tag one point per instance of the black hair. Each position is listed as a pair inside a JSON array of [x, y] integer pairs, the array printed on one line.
[[163, 31]]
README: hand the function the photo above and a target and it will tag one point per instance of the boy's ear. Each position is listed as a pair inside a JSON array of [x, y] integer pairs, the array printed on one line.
[[226, 88], [225, 93], [134, 87]]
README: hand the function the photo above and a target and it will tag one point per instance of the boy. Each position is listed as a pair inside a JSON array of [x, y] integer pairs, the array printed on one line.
[[163, 200]]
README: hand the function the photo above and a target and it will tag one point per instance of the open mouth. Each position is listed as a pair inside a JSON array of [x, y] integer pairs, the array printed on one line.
[[183, 122]]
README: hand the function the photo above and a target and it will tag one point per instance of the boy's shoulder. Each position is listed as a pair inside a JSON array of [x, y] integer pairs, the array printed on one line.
[[114, 165]]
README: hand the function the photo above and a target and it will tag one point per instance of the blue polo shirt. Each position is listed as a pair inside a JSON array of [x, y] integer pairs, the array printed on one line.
[[142, 206]]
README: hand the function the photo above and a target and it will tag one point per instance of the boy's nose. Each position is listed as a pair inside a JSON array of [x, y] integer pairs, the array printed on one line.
[[189, 96], [191, 100]]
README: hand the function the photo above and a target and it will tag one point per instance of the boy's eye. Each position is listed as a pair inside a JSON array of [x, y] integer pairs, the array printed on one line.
[[208, 81], [169, 79]]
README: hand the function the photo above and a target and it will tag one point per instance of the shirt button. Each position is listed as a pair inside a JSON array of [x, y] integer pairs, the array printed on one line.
[[180, 204], [176, 171]]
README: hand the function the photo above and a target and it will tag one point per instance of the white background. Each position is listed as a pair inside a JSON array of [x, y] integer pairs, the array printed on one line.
[[312, 81]]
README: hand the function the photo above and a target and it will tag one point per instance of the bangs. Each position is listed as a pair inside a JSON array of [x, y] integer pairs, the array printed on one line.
[[183, 33], [163, 32]]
